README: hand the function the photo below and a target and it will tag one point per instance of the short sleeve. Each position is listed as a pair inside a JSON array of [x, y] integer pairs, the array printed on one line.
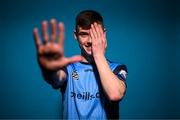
[[121, 72]]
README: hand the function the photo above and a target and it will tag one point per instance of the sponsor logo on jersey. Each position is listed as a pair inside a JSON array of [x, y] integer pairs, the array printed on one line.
[[88, 70], [85, 95]]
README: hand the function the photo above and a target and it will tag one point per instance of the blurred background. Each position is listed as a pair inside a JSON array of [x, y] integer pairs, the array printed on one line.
[[143, 34]]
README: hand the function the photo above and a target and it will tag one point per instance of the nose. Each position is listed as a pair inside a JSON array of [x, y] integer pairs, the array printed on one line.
[[89, 42], [89, 39]]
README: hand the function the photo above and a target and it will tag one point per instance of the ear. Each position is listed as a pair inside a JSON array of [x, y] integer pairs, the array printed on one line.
[[75, 35]]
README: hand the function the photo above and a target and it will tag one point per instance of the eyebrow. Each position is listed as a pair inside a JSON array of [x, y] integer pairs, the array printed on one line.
[[83, 33]]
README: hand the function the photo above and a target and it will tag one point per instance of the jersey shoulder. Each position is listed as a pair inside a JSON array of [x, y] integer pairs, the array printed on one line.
[[119, 69], [114, 65]]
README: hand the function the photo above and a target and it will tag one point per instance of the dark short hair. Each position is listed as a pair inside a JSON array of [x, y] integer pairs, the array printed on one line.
[[87, 17]]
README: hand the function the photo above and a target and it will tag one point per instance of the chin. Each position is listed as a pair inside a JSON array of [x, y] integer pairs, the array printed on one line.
[[89, 53], [86, 52]]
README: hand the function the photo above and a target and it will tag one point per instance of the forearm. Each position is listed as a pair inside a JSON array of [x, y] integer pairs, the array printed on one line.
[[113, 87], [55, 78]]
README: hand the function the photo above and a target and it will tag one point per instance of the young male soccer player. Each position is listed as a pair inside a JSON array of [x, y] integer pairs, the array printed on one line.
[[91, 85]]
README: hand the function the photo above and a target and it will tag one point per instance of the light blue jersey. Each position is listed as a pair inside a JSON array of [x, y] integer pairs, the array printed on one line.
[[82, 93]]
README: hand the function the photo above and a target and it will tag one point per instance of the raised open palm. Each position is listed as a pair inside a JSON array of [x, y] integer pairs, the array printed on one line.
[[50, 51]]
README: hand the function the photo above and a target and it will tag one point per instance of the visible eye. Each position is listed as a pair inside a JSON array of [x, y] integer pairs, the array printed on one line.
[[83, 34]]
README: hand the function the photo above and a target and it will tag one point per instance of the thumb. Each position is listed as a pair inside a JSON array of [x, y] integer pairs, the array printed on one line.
[[76, 58]]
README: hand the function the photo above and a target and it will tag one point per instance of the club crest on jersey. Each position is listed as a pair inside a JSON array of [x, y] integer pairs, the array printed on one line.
[[75, 75], [123, 74]]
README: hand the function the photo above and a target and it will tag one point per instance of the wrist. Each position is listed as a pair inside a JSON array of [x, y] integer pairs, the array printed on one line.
[[100, 59]]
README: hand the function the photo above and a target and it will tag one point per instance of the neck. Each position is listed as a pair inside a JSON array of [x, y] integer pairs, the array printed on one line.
[[86, 57]]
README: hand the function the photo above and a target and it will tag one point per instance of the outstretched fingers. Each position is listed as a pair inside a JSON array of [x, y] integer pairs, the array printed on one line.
[[36, 38], [61, 34], [45, 31], [53, 30]]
